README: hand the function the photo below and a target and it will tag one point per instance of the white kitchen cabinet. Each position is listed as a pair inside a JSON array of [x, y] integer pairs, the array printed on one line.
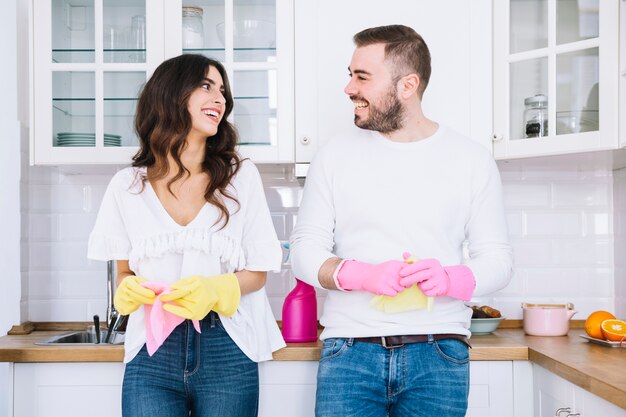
[[76, 389], [90, 58], [67, 389], [566, 52], [458, 33], [500, 389], [553, 393], [287, 389]]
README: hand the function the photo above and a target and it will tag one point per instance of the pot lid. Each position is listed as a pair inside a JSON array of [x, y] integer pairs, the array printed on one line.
[[568, 306]]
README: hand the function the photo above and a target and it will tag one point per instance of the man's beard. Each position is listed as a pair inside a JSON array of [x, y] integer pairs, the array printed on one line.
[[386, 118]]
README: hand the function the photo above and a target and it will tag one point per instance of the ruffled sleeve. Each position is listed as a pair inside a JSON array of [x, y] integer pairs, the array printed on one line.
[[109, 239], [260, 244]]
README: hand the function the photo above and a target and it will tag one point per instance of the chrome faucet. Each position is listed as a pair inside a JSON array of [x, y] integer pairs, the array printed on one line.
[[111, 286], [115, 321]]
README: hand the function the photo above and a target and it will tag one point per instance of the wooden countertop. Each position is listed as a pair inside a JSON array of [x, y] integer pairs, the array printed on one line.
[[22, 348], [596, 368]]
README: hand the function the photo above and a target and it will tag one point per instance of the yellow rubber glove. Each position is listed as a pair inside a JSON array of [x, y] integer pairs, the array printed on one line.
[[195, 296], [130, 295]]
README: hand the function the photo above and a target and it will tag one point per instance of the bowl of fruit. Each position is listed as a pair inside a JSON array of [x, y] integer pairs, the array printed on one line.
[[485, 319]]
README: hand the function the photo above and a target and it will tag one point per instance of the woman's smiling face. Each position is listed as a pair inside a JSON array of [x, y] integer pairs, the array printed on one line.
[[207, 104]]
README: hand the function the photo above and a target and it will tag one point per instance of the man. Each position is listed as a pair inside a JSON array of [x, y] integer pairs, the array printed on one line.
[[403, 183]]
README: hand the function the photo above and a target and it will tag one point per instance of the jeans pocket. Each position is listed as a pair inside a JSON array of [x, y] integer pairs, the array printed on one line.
[[218, 323], [332, 348], [452, 350]]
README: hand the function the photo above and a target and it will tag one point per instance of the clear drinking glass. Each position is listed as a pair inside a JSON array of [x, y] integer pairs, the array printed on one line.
[[138, 38]]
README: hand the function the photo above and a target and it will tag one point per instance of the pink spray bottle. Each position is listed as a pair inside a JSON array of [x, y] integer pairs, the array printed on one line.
[[300, 312]]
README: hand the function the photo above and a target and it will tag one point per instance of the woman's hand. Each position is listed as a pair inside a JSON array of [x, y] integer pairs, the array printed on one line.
[[130, 295], [195, 296]]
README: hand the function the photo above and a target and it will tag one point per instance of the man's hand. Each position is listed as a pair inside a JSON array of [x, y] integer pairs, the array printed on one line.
[[435, 280], [380, 279]]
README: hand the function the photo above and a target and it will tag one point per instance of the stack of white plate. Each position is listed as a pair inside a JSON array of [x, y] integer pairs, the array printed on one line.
[[86, 139], [112, 140]]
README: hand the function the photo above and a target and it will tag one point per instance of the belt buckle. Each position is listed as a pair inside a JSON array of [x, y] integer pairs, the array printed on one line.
[[387, 346]]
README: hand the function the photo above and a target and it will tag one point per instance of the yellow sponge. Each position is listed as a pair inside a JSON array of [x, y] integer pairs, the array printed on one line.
[[410, 299]]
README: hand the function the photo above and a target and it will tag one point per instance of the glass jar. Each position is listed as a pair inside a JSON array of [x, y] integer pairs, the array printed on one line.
[[536, 116], [193, 30]]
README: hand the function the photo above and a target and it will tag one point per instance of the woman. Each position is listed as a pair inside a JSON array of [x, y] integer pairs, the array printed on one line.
[[190, 218]]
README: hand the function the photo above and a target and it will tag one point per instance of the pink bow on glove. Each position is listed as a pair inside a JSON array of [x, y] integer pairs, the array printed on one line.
[[435, 280], [381, 279]]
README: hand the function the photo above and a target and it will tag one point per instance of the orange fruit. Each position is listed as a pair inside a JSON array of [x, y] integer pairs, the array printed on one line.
[[593, 324], [614, 330]]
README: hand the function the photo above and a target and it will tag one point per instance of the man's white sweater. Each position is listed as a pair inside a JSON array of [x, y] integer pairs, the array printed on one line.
[[370, 199]]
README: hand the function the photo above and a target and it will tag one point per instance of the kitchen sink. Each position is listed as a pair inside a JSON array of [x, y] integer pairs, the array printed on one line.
[[82, 338]]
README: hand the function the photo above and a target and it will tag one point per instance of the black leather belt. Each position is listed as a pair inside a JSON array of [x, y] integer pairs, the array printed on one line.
[[398, 341]]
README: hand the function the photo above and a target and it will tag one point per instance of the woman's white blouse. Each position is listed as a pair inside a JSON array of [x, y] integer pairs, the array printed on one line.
[[133, 225]]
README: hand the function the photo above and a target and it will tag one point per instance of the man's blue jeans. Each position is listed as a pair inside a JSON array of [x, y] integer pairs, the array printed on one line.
[[429, 379], [205, 373]]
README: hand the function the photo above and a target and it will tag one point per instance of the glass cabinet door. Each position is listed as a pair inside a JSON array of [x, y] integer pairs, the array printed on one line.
[[254, 31], [242, 34], [528, 21], [92, 57], [88, 67], [72, 31], [121, 90], [230, 30], [547, 71], [255, 107], [73, 108]]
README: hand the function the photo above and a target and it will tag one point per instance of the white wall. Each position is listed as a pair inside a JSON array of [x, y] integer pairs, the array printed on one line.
[[9, 185], [10, 163]]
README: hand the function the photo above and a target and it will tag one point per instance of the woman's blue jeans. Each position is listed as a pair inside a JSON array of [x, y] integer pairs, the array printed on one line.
[[416, 380], [192, 374]]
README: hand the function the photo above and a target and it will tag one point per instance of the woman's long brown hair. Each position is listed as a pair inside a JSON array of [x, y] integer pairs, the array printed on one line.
[[162, 123]]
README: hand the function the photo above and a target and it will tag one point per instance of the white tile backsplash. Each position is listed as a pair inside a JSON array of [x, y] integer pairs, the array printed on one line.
[[595, 192], [553, 223], [518, 194], [564, 223]]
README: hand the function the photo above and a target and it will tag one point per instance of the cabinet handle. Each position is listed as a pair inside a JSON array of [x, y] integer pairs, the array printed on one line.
[[574, 415], [305, 140], [562, 410], [497, 137]]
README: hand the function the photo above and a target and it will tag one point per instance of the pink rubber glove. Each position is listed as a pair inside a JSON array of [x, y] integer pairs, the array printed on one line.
[[380, 279], [435, 280]]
